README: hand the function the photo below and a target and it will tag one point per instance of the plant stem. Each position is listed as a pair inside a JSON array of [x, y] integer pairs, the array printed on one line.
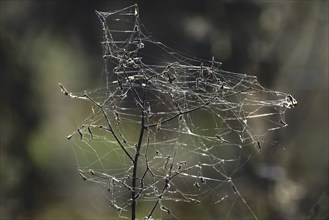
[[135, 162], [133, 193]]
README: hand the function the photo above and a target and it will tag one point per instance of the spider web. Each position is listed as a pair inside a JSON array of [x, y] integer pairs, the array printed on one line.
[[189, 124]]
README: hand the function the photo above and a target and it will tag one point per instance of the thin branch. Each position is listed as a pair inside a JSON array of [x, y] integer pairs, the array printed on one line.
[[182, 113], [110, 126]]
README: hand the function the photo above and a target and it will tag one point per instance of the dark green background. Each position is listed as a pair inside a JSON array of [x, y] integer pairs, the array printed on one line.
[[284, 43]]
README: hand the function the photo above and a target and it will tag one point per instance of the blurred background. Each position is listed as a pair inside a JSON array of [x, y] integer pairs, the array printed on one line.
[[283, 43]]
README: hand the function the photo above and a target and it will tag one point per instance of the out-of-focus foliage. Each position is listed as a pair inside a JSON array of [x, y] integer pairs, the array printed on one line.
[[284, 43]]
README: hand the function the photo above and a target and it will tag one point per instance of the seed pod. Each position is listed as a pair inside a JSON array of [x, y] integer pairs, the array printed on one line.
[[163, 208], [158, 127]]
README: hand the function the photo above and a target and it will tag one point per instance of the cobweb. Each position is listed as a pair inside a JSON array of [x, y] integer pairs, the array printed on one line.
[[181, 127]]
